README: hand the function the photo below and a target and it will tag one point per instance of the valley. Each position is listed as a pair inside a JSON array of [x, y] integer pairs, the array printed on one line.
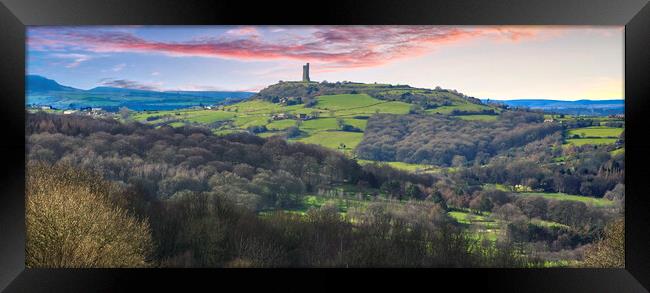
[[339, 120]]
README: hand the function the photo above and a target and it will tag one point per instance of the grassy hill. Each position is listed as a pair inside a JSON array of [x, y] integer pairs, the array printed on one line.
[[334, 115], [427, 98]]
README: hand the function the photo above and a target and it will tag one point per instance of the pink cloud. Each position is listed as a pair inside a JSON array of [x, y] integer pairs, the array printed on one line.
[[244, 31], [75, 59], [332, 48]]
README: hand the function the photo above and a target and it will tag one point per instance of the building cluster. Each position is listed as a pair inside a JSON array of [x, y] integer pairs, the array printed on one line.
[[89, 111], [282, 116], [212, 107]]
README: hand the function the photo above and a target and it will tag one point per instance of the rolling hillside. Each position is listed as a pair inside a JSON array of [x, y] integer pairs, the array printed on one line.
[[333, 115]]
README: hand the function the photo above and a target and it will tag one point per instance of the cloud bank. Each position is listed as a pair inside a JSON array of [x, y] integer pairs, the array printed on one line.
[[332, 47]]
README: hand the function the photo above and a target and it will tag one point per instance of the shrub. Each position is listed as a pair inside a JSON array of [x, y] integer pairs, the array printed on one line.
[[610, 251], [72, 222]]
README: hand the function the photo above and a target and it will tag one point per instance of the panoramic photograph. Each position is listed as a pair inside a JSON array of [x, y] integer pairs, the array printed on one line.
[[325, 146]]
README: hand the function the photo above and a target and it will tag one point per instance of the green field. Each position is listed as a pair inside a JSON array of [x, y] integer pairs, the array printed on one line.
[[460, 107], [189, 115], [617, 152], [254, 106], [599, 202], [548, 224], [482, 226], [333, 139], [281, 124], [321, 127], [595, 135], [407, 166], [343, 102], [479, 117], [596, 131], [594, 141]]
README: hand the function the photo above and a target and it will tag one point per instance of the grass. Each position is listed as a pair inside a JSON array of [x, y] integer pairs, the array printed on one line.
[[502, 187], [332, 139], [548, 224], [329, 124], [483, 226], [598, 202], [592, 141], [467, 218], [479, 117], [358, 123], [347, 101], [248, 121], [188, 115], [343, 204], [617, 152], [323, 131], [315, 201], [406, 166], [596, 131], [281, 124], [392, 107], [226, 131], [320, 124], [254, 106], [460, 107], [208, 116], [594, 135]]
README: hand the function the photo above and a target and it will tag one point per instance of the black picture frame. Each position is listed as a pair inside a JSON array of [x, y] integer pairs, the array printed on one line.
[[16, 14]]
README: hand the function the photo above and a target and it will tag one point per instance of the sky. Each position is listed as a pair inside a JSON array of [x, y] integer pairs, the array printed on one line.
[[487, 62]]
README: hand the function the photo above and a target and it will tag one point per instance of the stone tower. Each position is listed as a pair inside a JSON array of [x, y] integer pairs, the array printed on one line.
[[305, 72]]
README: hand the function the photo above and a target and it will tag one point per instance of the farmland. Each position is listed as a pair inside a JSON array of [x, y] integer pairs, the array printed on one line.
[[598, 202], [321, 128], [596, 131], [594, 135], [323, 125], [521, 203]]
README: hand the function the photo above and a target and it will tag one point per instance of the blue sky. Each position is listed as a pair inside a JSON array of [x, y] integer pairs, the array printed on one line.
[[496, 62]]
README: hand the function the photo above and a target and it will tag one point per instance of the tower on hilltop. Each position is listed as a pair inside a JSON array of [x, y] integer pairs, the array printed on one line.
[[305, 72]]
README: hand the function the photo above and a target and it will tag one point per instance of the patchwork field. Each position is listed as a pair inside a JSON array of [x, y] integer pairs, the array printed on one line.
[[595, 135], [596, 131], [460, 107], [334, 139], [479, 117], [593, 141], [408, 166], [322, 127], [599, 202]]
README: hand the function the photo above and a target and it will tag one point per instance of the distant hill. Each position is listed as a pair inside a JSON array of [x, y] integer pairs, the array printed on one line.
[[37, 83], [108, 89], [214, 94], [42, 91], [580, 107]]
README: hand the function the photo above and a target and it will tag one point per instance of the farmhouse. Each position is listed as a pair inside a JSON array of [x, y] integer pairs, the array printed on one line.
[[280, 116], [68, 112], [548, 120]]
